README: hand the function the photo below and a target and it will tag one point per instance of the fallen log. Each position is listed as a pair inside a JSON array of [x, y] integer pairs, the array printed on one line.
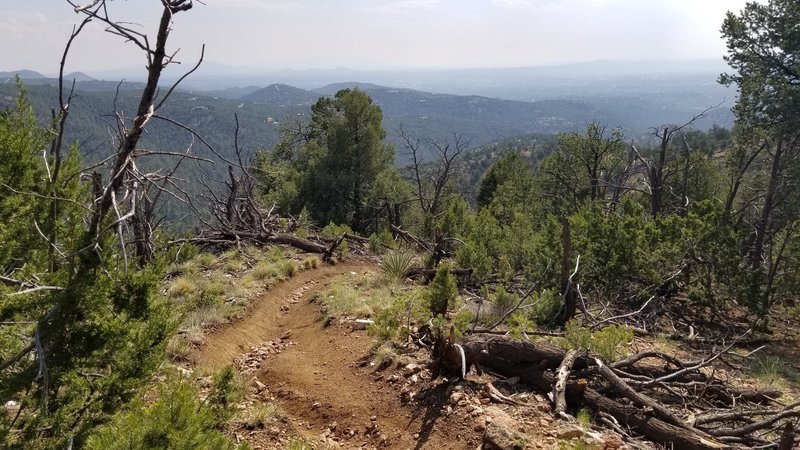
[[560, 386], [227, 238], [628, 415], [534, 363]]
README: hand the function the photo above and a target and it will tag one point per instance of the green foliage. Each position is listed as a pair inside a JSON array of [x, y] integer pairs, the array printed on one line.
[[519, 323], [334, 231], [396, 321], [335, 168], [395, 265], [260, 415], [299, 444], [511, 170], [609, 343], [357, 296], [380, 241], [580, 169], [176, 419], [226, 389], [288, 268], [501, 303], [584, 417], [442, 291]]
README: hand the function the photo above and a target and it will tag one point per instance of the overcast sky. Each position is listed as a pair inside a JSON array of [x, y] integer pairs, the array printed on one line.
[[377, 34]]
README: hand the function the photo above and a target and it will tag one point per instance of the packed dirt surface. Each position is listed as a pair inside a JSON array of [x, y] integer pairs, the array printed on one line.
[[318, 376]]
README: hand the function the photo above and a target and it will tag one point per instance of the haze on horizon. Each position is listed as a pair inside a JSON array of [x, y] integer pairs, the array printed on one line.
[[377, 34]]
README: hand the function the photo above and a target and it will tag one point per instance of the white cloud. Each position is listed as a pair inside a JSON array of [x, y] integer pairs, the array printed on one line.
[[513, 3], [268, 5], [403, 5]]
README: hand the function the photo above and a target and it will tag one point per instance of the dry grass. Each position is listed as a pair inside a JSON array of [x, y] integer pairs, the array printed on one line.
[[358, 296], [260, 415], [211, 289]]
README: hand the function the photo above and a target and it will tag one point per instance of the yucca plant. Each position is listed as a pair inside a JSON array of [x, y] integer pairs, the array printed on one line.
[[396, 265]]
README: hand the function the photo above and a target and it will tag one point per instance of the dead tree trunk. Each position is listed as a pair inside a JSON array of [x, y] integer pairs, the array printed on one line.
[[623, 390]]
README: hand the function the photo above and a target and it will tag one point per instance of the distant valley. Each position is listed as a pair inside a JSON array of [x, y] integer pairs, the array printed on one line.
[[616, 97]]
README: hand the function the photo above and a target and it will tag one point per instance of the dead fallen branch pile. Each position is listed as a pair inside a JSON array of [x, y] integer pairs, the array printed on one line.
[[679, 404]]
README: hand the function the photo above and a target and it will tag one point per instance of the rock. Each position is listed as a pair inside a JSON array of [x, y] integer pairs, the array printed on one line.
[[259, 386], [274, 431], [501, 437], [286, 335], [612, 442], [360, 324], [11, 406], [456, 397], [480, 427], [411, 369], [570, 432]]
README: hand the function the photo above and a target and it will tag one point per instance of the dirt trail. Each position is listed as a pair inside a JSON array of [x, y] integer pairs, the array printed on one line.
[[319, 382], [264, 320]]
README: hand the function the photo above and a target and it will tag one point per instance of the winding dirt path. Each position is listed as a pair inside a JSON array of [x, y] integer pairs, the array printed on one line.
[[319, 382]]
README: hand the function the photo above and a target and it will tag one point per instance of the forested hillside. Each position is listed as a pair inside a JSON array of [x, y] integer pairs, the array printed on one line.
[[387, 268]]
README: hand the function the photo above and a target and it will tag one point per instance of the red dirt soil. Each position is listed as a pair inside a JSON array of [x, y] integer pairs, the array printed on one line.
[[319, 381]]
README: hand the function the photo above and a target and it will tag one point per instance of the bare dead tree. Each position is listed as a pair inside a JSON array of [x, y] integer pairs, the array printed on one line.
[[656, 168], [431, 178]]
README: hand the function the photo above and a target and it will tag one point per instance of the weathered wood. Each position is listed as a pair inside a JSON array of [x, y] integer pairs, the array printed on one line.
[[560, 387], [534, 363], [787, 437], [637, 397]]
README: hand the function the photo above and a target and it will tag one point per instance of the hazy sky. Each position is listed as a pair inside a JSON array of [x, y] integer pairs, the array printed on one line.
[[377, 34]]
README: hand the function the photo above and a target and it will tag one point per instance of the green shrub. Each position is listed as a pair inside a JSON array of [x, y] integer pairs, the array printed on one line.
[[210, 295], [518, 324], [226, 389], [548, 306], [333, 231], [442, 291], [501, 303], [311, 262], [380, 241], [386, 325], [175, 420], [183, 287], [610, 343], [584, 417], [299, 444]]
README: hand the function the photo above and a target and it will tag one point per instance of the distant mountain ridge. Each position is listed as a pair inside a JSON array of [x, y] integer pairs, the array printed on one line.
[[23, 74], [480, 119]]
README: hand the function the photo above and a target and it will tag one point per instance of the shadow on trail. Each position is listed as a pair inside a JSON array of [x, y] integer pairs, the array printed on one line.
[[429, 404]]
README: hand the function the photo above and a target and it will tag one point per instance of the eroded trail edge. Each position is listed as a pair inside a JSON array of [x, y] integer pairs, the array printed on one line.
[[316, 375]]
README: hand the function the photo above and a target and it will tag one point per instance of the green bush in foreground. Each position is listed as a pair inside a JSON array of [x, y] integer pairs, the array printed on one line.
[[177, 419]]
